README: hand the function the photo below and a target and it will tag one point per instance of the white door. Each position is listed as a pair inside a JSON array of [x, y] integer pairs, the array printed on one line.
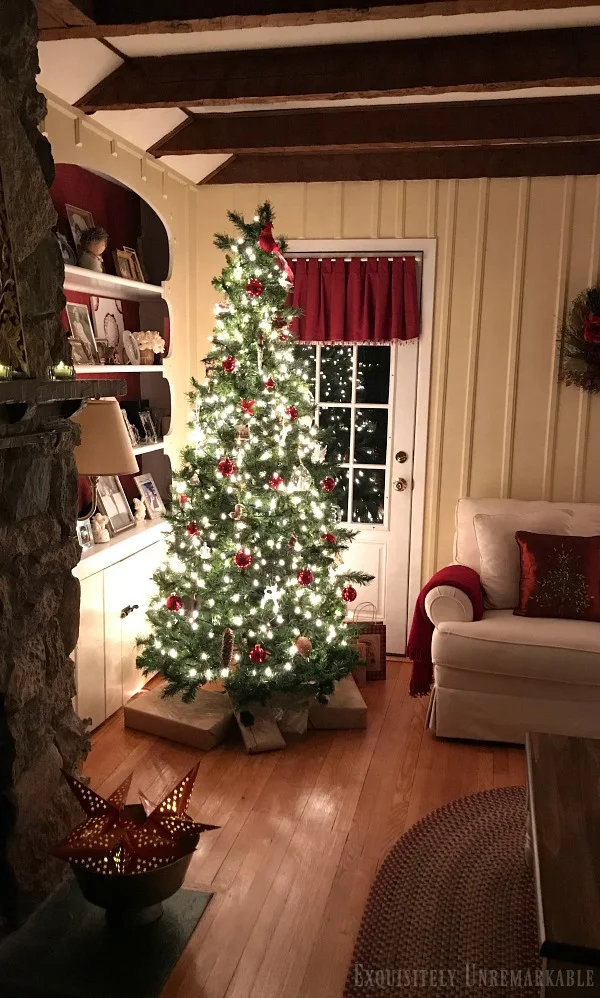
[[367, 396]]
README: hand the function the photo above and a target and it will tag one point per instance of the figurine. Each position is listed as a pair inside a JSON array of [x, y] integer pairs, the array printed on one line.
[[99, 531], [92, 244], [139, 511]]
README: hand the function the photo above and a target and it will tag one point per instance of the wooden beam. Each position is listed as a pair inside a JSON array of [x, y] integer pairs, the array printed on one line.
[[181, 16], [469, 63], [67, 13], [417, 164], [552, 119]]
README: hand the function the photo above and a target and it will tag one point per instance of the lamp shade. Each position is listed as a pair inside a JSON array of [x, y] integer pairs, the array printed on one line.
[[105, 447]]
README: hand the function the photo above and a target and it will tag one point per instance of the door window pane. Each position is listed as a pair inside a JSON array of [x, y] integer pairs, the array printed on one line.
[[336, 374], [370, 436], [341, 494], [368, 495], [305, 357], [337, 423], [373, 375]]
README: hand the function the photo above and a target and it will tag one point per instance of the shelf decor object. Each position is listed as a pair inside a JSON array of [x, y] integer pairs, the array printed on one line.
[[128, 858], [105, 447]]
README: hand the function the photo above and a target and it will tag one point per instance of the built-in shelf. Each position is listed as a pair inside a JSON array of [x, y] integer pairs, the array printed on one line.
[[117, 368], [92, 282], [148, 448]]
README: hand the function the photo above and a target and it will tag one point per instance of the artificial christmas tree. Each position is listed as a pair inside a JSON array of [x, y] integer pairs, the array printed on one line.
[[252, 591]]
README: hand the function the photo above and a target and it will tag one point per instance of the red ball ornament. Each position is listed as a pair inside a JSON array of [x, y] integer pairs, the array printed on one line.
[[230, 364], [254, 288], [292, 412], [242, 559], [269, 384], [173, 602], [328, 484], [305, 576], [258, 654], [226, 467], [183, 499], [276, 482], [247, 406], [328, 538], [193, 529], [349, 594]]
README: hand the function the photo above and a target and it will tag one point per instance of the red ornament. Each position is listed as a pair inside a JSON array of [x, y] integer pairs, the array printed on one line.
[[230, 364], [328, 484], [305, 576], [173, 602], [284, 337], [292, 541], [226, 467], [349, 594], [328, 538], [591, 329], [258, 654], [193, 529], [254, 288], [276, 482], [269, 384], [247, 406], [242, 559], [183, 499], [292, 412]]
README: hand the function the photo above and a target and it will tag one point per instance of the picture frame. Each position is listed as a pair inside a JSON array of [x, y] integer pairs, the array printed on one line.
[[79, 220], [150, 495], [123, 265], [67, 252], [79, 353], [150, 433], [81, 328], [84, 534], [107, 315], [131, 430], [113, 503], [134, 264]]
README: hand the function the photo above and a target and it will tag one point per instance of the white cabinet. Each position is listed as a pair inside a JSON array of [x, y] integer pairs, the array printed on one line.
[[114, 600]]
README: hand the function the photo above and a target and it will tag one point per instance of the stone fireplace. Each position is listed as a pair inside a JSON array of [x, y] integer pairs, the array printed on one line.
[[39, 598]]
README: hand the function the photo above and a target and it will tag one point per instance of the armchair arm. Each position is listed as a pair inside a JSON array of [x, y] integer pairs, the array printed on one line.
[[448, 603]]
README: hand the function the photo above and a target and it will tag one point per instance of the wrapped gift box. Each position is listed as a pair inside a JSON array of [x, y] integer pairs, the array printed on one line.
[[203, 723], [345, 708], [263, 735]]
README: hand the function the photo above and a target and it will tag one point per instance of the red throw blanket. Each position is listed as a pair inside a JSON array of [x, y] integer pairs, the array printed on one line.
[[421, 632]]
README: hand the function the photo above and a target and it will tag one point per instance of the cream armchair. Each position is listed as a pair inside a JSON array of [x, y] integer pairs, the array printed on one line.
[[499, 677]]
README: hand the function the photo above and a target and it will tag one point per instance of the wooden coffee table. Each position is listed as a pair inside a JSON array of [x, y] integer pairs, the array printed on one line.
[[564, 812]]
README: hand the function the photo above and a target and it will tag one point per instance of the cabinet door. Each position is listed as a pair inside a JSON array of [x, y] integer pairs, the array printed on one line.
[[89, 655], [140, 589]]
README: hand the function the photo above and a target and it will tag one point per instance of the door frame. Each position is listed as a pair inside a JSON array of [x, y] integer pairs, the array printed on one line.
[[396, 247]]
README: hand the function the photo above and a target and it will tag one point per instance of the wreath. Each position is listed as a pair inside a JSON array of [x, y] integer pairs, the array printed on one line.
[[580, 342]]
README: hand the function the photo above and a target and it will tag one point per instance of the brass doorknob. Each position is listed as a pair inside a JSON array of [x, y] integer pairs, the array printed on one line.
[[401, 485]]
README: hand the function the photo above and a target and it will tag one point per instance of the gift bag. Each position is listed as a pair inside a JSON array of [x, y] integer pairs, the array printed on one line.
[[372, 640]]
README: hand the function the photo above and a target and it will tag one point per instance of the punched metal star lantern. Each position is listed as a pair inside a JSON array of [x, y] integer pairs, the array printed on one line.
[[120, 839]]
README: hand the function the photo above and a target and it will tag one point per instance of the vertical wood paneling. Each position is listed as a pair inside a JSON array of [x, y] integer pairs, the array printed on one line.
[[323, 211]]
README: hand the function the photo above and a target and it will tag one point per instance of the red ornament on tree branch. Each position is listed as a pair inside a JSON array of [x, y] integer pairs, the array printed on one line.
[[242, 559], [269, 384], [328, 484], [193, 529], [229, 365], [226, 467], [254, 288], [305, 576], [266, 241], [276, 482], [173, 602], [247, 406], [328, 538], [258, 654], [292, 412], [349, 594]]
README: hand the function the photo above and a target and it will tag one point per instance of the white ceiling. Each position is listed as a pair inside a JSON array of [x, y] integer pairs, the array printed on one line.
[[72, 67]]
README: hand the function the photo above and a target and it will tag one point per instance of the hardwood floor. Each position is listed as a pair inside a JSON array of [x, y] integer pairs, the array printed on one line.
[[302, 834]]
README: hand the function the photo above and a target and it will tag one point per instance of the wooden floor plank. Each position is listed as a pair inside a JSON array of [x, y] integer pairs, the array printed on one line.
[[302, 833]]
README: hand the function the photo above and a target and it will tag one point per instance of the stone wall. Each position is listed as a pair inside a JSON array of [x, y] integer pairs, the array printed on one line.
[[39, 598]]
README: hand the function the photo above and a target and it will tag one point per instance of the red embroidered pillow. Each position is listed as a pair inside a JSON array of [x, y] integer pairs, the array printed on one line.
[[560, 576]]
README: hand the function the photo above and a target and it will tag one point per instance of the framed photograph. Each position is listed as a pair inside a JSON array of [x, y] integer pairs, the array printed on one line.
[[84, 534], [131, 349], [79, 353], [123, 265], [66, 249], [79, 220], [151, 436], [131, 430], [81, 329], [150, 495], [114, 505], [107, 314], [134, 263]]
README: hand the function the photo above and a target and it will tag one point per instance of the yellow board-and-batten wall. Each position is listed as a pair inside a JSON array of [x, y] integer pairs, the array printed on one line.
[[510, 255]]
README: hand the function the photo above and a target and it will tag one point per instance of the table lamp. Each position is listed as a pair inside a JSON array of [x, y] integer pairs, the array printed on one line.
[[105, 447]]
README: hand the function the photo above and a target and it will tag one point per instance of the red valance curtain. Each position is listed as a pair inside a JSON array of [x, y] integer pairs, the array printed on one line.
[[356, 301]]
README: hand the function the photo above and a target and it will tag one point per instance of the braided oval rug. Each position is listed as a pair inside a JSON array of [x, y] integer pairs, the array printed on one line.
[[452, 909]]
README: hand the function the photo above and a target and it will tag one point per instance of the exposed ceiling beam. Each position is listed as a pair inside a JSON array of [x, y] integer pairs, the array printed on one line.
[[553, 119], [66, 14], [513, 60], [130, 17], [415, 164]]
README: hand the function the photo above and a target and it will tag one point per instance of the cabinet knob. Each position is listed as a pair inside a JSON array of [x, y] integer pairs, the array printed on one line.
[[128, 609]]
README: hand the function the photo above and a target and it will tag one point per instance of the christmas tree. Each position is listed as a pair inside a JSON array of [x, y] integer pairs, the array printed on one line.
[[253, 591]]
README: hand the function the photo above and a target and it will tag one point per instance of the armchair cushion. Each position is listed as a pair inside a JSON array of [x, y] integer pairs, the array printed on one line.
[[448, 603]]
